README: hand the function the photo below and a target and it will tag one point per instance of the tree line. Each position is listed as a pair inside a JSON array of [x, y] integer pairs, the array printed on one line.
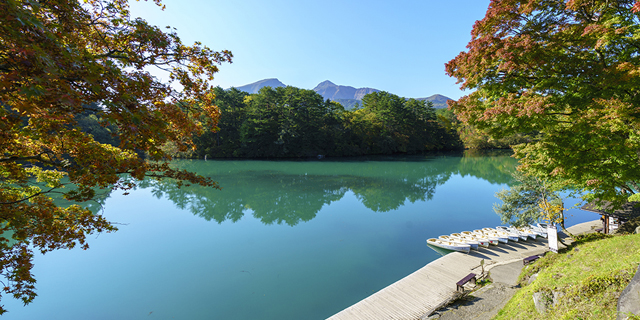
[[292, 122]]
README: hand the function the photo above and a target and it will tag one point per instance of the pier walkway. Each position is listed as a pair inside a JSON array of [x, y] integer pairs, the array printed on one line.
[[419, 294]]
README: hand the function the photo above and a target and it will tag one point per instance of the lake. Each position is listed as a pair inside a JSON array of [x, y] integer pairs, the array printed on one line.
[[281, 240]]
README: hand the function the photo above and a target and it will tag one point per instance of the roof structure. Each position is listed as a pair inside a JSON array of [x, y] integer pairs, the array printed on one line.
[[629, 210]]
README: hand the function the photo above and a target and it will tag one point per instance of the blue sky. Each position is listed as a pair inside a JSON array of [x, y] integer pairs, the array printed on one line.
[[396, 46]]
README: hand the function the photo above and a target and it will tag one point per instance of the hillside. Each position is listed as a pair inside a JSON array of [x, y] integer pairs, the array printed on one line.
[[583, 281], [439, 101]]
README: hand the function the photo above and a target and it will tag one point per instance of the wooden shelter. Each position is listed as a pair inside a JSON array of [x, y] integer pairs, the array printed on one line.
[[612, 219]]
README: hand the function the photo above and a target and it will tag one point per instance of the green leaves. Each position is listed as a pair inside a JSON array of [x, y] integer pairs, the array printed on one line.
[[530, 200], [569, 70], [77, 102]]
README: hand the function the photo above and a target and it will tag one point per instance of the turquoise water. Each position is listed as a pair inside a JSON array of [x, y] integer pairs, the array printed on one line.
[[281, 240]]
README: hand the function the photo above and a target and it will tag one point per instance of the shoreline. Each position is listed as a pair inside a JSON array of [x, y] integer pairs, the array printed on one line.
[[432, 287]]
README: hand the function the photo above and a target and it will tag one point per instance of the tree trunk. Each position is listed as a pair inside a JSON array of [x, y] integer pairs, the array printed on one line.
[[562, 226]]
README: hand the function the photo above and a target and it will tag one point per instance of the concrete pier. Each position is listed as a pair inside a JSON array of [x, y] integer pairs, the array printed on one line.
[[419, 294]]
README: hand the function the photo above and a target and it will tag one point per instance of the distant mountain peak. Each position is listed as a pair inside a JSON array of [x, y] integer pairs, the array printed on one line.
[[325, 83], [329, 90], [439, 101], [256, 86]]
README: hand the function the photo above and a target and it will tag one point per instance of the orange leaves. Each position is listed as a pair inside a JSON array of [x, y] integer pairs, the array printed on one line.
[[569, 72], [61, 59]]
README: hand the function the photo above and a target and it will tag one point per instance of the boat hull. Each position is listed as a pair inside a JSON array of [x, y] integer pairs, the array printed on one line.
[[481, 237], [523, 236], [449, 245], [492, 235], [472, 244], [505, 232], [480, 242], [539, 230]]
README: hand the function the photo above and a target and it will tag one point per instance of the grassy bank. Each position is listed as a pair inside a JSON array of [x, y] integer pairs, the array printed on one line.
[[588, 276]]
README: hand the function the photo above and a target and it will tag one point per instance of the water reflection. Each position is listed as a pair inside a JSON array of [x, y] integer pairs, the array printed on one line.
[[288, 192]]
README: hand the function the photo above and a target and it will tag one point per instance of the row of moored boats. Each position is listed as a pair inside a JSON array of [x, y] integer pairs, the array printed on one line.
[[467, 240]]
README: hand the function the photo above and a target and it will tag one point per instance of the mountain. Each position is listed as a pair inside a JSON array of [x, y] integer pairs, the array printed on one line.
[[345, 95], [256, 86], [439, 101], [331, 91]]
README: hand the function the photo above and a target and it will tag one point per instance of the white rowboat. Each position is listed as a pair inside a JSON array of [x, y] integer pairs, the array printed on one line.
[[472, 244], [539, 230], [511, 233], [528, 232], [484, 243], [523, 236], [492, 235], [449, 245], [493, 241], [502, 233]]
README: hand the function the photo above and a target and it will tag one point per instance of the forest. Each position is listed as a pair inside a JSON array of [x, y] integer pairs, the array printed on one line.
[[290, 122]]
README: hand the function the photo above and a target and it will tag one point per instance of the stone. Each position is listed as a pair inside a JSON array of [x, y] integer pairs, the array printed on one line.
[[432, 317], [629, 301], [532, 278], [557, 295], [637, 230], [542, 301]]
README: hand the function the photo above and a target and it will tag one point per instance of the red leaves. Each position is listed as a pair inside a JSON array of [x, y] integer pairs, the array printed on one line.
[[568, 70]]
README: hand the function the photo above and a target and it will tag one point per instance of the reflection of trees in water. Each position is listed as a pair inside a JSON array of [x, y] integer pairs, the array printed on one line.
[[95, 205], [272, 197], [496, 170], [382, 195], [290, 192]]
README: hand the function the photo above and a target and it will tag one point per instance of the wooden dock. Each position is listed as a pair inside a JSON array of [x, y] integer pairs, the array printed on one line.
[[421, 293]]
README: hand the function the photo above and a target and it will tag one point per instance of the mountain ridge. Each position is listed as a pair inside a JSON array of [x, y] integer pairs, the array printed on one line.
[[346, 95], [256, 86]]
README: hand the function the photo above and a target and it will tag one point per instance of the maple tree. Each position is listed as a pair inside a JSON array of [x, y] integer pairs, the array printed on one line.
[[58, 59], [568, 70]]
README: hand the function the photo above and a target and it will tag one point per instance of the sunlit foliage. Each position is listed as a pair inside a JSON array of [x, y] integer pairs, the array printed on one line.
[[66, 64], [569, 70]]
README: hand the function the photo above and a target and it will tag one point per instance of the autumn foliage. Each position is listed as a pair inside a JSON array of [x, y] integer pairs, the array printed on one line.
[[58, 59], [568, 70]]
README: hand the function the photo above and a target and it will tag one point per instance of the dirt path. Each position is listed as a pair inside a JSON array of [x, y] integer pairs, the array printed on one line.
[[486, 302]]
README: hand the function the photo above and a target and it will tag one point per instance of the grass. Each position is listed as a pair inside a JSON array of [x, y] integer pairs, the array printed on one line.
[[590, 274]]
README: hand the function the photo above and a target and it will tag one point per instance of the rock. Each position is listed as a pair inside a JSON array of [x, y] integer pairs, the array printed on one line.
[[533, 278], [637, 230], [629, 301], [556, 297], [542, 301]]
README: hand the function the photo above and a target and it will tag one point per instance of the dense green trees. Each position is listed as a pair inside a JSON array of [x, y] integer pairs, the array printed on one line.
[[569, 70], [225, 141], [292, 122]]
